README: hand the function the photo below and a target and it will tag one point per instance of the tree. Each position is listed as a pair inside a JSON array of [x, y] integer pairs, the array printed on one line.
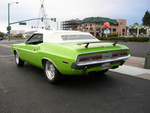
[[146, 18], [1, 34], [136, 23]]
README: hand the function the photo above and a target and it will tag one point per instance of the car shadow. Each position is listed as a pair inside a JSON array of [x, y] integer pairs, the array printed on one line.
[[74, 81]]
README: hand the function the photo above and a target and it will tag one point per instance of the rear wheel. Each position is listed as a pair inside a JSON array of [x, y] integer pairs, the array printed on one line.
[[18, 61], [51, 72]]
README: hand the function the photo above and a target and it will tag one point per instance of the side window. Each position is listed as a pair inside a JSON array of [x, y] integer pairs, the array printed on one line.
[[36, 39]]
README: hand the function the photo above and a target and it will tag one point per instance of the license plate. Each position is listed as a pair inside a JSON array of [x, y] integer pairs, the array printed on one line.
[[105, 66]]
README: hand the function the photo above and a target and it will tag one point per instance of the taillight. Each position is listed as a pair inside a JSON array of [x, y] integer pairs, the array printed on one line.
[[115, 55], [84, 59], [123, 54], [90, 59], [119, 55], [97, 58]]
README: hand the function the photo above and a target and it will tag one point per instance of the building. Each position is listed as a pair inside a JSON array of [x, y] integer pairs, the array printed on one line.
[[95, 26], [16, 32], [70, 24], [136, 30]]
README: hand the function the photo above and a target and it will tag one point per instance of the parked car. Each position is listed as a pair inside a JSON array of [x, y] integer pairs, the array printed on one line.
[[69, 53], [1, 38]]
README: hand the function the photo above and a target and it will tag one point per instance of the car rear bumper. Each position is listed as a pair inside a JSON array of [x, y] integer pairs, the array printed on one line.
[[85, 66]]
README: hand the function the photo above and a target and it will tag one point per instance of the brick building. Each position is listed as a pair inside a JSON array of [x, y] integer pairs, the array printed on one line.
[[95, 26]]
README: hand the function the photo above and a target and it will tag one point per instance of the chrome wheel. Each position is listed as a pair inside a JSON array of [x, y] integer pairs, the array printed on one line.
[[18, 61], [17, 58], [50, 70]]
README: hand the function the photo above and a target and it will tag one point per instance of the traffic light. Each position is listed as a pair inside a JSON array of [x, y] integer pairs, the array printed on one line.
[[42, 19], [54, 19], [8, 28]]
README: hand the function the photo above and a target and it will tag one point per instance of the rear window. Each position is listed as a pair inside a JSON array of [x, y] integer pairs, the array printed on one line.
[[76, 37]]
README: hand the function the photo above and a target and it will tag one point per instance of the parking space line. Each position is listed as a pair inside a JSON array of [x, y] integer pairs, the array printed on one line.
[[6, 56]]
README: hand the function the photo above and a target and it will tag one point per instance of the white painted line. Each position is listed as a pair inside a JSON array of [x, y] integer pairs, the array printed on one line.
[[6, 56], [3, 88]]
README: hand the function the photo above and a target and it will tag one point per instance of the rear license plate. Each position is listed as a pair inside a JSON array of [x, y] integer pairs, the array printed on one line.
[[105, 66]]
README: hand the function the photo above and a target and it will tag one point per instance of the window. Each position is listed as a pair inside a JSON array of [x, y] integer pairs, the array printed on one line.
[[86, 28], [123, 30], [92, 33], [76, 37], [114, 29], [91, 28], [35, 39]]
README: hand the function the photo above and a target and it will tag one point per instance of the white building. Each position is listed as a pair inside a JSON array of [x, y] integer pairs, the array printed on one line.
[[15, 32]]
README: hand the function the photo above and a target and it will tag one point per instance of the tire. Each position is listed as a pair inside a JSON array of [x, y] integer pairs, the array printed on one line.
[[18, 61], [51, 72]]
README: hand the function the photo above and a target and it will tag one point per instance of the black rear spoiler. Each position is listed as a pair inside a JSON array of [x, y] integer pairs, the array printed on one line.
[[87, 43]]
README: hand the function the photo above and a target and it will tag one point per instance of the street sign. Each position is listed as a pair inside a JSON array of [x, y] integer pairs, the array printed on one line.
[[107, 31], [22, 23]]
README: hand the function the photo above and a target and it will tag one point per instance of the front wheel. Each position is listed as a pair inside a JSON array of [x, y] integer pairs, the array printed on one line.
[[51, 72], [18, 61]]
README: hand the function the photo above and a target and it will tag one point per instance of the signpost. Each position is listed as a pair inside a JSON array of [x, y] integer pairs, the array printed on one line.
[[147, 59], [107, 31]]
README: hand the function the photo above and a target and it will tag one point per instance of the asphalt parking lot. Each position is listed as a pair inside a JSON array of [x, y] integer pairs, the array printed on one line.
[[25, 90]]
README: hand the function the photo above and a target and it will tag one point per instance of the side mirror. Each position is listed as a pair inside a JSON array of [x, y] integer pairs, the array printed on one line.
[[26, 42]]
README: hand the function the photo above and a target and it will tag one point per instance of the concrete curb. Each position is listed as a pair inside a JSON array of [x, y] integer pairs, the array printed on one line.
[[134, 67]]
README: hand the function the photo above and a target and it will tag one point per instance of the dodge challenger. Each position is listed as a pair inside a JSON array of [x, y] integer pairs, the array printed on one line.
[[69, 53]]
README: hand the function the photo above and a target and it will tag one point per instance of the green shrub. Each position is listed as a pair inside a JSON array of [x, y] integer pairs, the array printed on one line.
[[126, 39], [112, 35]]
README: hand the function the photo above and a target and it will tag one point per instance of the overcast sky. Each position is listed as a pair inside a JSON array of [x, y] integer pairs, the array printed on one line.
[[131, 10]]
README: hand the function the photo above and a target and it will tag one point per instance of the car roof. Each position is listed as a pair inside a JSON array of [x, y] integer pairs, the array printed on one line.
[[55, 36]]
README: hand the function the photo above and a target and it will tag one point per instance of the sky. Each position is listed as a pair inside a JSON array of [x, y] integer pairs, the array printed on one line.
[[131, 10]]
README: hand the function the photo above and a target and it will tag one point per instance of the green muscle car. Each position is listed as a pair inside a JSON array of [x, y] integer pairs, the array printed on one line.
[[69, 53]]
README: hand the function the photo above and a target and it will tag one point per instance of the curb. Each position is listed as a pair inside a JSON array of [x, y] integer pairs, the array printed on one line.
[[134, 66]]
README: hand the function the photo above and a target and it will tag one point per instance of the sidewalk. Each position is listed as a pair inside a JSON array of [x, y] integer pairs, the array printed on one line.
[[134, 67]]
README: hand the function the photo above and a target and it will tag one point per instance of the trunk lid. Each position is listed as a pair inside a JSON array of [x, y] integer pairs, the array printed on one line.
[[93, 47]]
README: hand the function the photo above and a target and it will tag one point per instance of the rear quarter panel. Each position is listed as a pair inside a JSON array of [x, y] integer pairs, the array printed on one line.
[[57, 54]]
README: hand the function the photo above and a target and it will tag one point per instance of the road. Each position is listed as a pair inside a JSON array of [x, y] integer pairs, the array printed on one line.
[[25, 90], [138, 49]]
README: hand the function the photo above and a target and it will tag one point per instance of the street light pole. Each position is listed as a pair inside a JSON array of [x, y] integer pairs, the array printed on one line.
[[9, 27], [57, 25]]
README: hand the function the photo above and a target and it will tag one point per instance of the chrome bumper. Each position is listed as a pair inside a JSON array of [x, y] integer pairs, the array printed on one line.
[[82, 65]]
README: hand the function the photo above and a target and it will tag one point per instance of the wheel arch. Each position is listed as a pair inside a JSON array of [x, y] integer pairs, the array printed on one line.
[[46, 59], [14, 51]]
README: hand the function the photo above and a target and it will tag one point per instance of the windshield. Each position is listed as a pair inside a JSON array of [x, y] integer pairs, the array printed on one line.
[[76, 37]]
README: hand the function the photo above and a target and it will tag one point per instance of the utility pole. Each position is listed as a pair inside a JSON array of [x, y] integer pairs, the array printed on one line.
[[9, 27], [147, 59]]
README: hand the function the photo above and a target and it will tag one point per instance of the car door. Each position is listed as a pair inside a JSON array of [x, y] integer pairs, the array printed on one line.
[[32, 47]]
